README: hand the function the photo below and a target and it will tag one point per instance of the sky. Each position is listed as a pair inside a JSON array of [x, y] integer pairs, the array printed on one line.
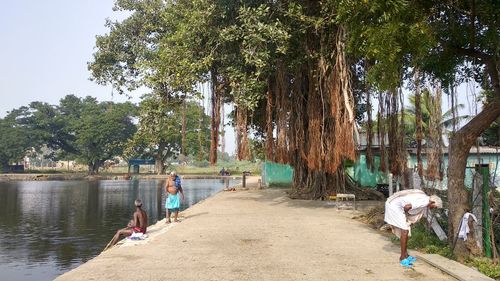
[[44, 50]]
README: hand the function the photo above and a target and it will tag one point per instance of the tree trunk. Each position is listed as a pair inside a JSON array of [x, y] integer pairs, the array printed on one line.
[[93, 167], [200, 140], [215, 114], [223, 133], [159, 166], [184, 142], [418, 126], [90, 165], [369, 132], [460, 145], [159, 159], [269, 122], [310, 184], [243, 149]]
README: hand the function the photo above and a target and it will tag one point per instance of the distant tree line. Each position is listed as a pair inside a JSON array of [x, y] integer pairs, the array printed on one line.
[[91, 132]]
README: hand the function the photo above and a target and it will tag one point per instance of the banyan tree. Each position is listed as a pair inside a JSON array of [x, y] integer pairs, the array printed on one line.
[[297, 65], [288, 68]]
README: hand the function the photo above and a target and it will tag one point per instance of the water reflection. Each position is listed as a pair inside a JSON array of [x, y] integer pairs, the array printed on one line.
[[50, 227]]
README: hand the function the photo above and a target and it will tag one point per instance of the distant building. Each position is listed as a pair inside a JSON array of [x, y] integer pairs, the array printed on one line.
[[365, 177]]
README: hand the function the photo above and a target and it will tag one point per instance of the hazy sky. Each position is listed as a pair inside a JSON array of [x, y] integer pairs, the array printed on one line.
[[45, 47]]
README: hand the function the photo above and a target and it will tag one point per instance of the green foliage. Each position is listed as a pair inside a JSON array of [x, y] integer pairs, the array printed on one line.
[[426, 241], [407, 37], [427, 105], [123, 55], [14, 143], [486, 266], [261, 38], [491, 136], [101, 131], [81, 129], [159, 133]]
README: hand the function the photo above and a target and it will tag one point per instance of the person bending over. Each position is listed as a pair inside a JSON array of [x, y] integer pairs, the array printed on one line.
[[403, 209]]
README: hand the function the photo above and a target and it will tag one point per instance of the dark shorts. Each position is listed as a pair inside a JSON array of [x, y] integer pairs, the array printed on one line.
[[173, 210]]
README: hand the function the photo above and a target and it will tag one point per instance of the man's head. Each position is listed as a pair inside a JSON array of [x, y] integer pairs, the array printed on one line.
[[138, 203], [435, 202], [173, 174]]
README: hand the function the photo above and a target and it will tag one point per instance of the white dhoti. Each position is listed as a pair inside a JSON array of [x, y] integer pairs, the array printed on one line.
[[395, 214]]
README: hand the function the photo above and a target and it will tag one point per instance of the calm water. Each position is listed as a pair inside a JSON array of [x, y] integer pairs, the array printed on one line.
[[48, 228]]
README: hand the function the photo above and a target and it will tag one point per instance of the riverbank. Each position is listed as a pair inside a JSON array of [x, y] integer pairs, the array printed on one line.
[[257, 235], [82, 176]]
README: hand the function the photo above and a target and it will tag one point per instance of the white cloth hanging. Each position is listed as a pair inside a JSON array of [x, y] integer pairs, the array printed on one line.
[[464, 226]]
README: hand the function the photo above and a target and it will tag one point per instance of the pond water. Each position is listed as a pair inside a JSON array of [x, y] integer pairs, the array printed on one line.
[[50, 227]]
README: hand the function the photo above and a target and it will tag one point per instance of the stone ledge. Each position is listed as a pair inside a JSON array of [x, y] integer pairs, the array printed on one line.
[[455, 269]]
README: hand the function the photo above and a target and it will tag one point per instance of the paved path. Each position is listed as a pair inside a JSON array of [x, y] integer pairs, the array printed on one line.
[[257, 235]]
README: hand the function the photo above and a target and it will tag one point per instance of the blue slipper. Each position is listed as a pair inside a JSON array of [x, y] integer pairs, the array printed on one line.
[[406, 263], [411, 259]]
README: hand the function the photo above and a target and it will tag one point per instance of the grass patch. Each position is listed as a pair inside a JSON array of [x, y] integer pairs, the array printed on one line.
[[486, 266], [424, 240], [280, 185]]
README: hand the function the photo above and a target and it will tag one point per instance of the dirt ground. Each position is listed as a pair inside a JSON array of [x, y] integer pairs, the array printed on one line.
[[257, 235]]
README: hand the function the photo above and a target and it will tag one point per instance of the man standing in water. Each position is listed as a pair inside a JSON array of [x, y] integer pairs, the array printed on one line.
[[172, 189], [403, 209], [138, 224]]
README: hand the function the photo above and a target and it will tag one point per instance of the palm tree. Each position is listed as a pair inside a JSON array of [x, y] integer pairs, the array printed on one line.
[[427, 107]]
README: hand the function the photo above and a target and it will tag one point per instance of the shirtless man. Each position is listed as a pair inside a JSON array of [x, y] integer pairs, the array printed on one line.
[[172, 189], [138, 224]]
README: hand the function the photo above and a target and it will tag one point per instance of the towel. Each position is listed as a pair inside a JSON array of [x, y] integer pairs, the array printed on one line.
[[464, 226], [138, 236]]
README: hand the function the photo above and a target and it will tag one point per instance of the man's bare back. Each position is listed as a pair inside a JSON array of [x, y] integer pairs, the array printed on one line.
[[141, 220], [139, 223]]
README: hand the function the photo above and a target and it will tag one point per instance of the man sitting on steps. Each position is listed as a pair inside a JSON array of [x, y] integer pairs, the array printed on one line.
[[138, 224]]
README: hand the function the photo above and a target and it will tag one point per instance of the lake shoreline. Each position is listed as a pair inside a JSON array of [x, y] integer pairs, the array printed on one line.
[[82, 176]]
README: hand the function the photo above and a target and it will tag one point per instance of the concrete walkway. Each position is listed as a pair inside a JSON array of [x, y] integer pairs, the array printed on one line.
[[257, 235]]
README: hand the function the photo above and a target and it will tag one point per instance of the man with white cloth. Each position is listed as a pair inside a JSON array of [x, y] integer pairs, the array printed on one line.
[[403, 209]]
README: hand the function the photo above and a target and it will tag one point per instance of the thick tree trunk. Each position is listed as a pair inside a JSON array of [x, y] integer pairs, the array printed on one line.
[[460, 145], [243, 149], [159, 160], [215, 114], [281, 92], [93, 167], [313, 185], [160, 166]]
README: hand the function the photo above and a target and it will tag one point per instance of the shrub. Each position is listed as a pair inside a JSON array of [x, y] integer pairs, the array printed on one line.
[[486, 266]]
